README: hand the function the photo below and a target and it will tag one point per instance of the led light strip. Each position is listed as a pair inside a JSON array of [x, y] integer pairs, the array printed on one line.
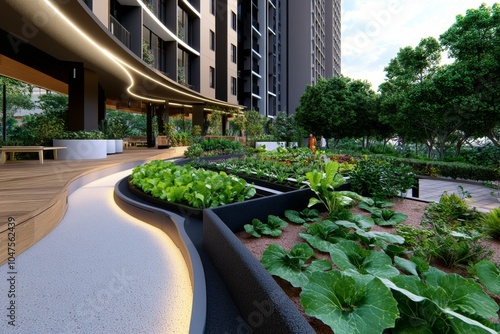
[[122, 64]]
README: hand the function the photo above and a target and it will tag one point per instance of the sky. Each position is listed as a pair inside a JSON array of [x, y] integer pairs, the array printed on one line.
[[373, 31]]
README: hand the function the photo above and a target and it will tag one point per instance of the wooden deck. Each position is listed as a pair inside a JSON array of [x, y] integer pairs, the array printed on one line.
[[34, 195]]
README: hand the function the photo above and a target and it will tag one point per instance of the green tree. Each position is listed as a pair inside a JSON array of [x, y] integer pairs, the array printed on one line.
[[215, 124], [474, 42], [406, 95], [18, 97], [324, 108], [338, 108], [54, 105], [284, 128], [254, 124]]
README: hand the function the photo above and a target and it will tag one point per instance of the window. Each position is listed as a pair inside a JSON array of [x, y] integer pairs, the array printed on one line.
[[233, 53], [212, 7], [233, 85], [233, 21], [212, 40], [212, 77]]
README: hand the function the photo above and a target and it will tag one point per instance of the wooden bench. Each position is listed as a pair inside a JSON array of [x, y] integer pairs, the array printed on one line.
[[137, 141], [28, 149]]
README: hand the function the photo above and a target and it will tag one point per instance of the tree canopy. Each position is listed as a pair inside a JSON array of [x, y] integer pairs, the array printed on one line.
[[337, 108]]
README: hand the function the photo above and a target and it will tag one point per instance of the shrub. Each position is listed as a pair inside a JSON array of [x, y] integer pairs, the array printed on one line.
[[381, 178], [82, 135], [194, 151], [220, 144], [457, 233], [454, 170], [491, 223]]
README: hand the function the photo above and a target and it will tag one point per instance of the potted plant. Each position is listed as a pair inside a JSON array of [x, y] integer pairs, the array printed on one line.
[[114, 130], [81, 145]]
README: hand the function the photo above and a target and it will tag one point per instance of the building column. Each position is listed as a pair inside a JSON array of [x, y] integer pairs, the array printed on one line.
[[83, 99], [198, 116], [149, 125]]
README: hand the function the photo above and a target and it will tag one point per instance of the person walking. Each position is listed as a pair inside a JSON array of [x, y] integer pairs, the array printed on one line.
[[312, 143], [323, 143]]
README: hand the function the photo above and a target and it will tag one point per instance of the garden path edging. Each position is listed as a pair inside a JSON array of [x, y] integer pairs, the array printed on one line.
[[173, 225]]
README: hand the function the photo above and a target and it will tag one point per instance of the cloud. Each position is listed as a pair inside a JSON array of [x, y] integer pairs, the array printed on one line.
[[373, 31]]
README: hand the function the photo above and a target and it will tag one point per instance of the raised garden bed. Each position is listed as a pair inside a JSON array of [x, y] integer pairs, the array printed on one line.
[[237, 264], [263, 304]]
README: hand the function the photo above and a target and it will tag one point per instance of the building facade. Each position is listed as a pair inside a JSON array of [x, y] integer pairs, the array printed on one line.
[[171, 56], [283, 47]]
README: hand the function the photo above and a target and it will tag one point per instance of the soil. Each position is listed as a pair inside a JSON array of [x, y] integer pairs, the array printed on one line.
[[413, 209]]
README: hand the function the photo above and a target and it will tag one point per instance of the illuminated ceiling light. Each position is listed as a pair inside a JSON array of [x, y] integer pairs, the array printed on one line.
[[122, 64]]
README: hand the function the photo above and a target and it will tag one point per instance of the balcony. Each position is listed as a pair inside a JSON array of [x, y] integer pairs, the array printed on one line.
[[119, 31]]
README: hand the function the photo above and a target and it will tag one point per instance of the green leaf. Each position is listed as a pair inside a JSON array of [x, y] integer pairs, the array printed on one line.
[[349, 255], [254, 229], [460, 294], [276, 222], [348, 304], [461, 300], [294, 217], [489, 275], [292, 266], [388, 217], [406, 265], [323, 235], [313, 201]]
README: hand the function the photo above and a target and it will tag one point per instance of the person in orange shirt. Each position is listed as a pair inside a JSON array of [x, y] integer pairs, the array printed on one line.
[[312, 143]]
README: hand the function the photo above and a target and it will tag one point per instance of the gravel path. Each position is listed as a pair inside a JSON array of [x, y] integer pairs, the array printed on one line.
[[99, 271]]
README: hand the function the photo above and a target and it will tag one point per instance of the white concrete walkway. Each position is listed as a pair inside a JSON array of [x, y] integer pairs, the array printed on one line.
[[99, 271]]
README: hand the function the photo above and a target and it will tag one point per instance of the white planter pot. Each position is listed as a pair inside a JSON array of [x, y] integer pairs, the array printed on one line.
[[81, 149], [118, 145], [110, 146], [270, 145], [273, 145]]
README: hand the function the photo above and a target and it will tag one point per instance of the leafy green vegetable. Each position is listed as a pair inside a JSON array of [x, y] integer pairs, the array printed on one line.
[[349, 304], [292, 266], [489, 275], [447, 300], [348, 254], [294, 217], [197, 188], [324, 185], [272, 228], [406, 265], [377, 205], [302, 217], [323, 235], [388, 217]]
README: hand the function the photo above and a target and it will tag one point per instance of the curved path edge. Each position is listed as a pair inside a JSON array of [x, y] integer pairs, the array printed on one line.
[[173, 225]]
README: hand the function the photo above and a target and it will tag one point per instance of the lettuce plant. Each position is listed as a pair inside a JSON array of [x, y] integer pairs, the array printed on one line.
[[302, 217], [388, 217], [322, 235], [348, 254], [349, 304], [273, 227], [440, 302], [292, 266], [489, 275], [197, 188]]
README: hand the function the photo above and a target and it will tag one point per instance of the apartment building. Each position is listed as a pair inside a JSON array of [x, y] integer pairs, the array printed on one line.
[[171, 56], [159, 57], [285, 46]]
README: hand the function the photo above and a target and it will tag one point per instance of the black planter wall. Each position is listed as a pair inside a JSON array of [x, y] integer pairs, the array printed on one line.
[[262, 303]]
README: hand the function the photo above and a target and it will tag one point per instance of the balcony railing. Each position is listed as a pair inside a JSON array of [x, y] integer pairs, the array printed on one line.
[[119, 31]]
